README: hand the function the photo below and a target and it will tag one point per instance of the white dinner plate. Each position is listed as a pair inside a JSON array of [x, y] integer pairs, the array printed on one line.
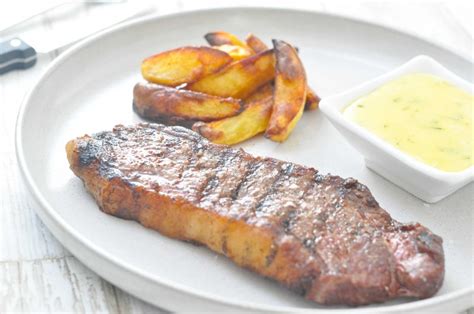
[[89, 89]]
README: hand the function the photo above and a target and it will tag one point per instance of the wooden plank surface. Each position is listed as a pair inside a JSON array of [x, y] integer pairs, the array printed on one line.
[[36, 272]]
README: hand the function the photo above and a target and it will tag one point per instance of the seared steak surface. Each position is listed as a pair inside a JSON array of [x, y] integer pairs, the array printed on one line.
[[322, 236]]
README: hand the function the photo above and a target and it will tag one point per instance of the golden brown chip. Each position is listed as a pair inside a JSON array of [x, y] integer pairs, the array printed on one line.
[[263, 92], [153, 101], [183, 65], [255, 43], [250, 122], [236, 52], [223, 38], [239, 79], [289, 94], [312, 100]]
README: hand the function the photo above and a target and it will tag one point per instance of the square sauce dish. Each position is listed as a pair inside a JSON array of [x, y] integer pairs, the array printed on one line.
[[427, 150]]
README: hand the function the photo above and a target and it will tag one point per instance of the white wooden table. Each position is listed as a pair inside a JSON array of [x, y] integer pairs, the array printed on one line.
[[36, 272]]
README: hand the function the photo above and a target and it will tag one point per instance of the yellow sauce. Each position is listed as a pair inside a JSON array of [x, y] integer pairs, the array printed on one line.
[[422, 115]]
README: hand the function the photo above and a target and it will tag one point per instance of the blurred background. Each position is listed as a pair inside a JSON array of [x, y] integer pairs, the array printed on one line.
[[36, 272], [55, 23]]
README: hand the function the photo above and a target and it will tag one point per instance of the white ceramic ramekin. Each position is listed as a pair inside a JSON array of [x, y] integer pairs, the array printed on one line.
[[424, 181]]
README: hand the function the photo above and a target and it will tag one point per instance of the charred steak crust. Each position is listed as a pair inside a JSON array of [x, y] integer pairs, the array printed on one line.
[[322, 236]]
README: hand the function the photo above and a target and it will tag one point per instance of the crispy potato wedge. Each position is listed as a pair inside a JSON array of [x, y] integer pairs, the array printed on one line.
[[255, 43], [236, 52], [183, 65], [312, 100], [153, 100], [239, 79], [263, 92], [290, 92], [250, 122], [223, 38]]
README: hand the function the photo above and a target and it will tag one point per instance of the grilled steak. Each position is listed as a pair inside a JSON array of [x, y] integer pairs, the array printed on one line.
[[322, 236]]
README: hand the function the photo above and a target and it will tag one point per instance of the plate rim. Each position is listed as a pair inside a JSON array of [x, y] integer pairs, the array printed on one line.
[[47, 209]]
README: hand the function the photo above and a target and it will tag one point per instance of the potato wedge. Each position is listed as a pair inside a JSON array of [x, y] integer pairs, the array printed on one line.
[[183, 65], [239, 79], [223, 38], [255, 43], [312, 100], [290, 92], [152, 101], [250, 122], [263, 92], [236, 52]]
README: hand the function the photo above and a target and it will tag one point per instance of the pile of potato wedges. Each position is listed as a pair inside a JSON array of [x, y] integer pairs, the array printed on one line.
[[228, 92]]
